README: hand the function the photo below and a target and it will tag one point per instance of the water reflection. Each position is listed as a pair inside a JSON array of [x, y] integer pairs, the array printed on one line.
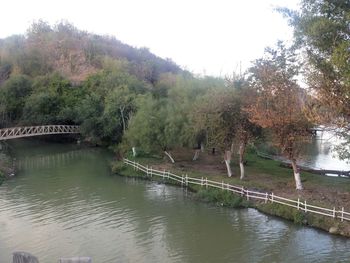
[[318, 154], [51, 160]]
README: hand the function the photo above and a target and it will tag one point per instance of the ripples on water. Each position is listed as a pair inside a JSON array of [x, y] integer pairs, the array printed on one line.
[[78, 208]]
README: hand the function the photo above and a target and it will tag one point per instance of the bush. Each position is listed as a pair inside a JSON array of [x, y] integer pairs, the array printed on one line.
[[118, 167], [222, 197], [286, 212]]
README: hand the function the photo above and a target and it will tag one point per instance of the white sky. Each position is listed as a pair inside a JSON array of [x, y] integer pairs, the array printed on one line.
[[203, 36]]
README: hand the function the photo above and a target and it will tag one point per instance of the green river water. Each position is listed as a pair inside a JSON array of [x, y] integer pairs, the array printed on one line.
[[65, 202]]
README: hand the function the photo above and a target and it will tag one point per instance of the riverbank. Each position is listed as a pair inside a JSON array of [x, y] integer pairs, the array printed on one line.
[[262, 175]]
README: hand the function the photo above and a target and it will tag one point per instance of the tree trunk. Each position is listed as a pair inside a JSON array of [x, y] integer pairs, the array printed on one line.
[[227, 158], [134, 153], [298, 184], [122, 115], [169, 155], [241, 159], [202, 147], [196, 155]]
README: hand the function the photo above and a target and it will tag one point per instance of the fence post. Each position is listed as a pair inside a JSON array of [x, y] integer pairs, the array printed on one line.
[[147, 170], [206, 182], [342, 214], [182, 180], [222, 185], [298, 204], [168, 174], [151, 171], [163, 174], [272, 197], [266, 197], [186, 180], [247, 194], [305, 206], [242, 191], [202, 182], [333, 212]]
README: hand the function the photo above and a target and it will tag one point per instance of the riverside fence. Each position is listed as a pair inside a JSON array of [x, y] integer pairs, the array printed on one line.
[[185, 180]]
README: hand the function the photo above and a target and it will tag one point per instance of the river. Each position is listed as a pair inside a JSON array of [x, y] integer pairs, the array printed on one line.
[[319, 153], [65, 202]]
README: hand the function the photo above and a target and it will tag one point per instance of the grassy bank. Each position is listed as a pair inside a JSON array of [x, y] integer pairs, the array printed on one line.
[[262, 174], [210, 195]]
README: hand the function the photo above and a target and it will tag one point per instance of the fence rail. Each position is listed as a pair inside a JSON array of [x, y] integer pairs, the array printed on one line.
[[249, 194]]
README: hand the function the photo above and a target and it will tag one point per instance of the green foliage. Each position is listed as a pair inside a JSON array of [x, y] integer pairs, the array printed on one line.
[[297, 216], [52, 101], [118, 167], [322, 30], [13, 94], [162, 123], [105, 110]]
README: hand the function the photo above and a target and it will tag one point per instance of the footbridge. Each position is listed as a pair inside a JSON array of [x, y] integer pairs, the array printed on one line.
[[29, 131]]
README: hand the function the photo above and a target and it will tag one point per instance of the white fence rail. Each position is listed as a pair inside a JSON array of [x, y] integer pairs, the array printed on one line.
[[249, 194]]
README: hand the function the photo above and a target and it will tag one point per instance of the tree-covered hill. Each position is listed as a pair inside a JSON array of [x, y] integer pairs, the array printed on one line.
[[74, 54]]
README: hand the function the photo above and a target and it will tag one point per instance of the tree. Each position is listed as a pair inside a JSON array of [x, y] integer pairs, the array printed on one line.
[[245, 130], [278, 103], [52, 100], [119, 104], [106, 103], [220, 114], [147, 127], [161, 124], [322, 31], [13, 95], [212, 114]]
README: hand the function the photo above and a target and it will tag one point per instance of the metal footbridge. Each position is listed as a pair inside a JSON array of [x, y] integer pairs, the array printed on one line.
[[29, 131]]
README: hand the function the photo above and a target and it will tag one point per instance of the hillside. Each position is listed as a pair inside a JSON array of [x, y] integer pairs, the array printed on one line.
[[74, 54]]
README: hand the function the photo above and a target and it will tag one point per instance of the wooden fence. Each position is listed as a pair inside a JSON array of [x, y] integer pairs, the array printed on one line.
[[185, 180]]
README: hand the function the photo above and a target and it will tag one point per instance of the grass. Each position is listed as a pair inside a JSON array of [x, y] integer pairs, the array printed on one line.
[[222, 198], [263, 174]]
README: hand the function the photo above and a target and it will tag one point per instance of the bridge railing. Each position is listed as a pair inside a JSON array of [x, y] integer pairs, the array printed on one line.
[[28, 131]]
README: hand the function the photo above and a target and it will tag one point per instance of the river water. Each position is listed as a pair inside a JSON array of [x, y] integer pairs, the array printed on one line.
[[319, 153], [64, 202]]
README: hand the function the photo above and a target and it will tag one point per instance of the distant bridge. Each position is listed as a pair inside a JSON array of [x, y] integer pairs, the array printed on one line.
[[29, 131]]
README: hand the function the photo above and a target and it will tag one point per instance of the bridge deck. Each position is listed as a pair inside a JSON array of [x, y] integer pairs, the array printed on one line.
[[29, 131]]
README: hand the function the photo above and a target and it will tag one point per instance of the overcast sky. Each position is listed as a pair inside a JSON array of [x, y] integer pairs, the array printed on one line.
[[204, 36]]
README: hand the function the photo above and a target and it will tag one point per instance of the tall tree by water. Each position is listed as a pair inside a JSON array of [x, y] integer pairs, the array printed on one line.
[[322, 31], [279, 103]]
